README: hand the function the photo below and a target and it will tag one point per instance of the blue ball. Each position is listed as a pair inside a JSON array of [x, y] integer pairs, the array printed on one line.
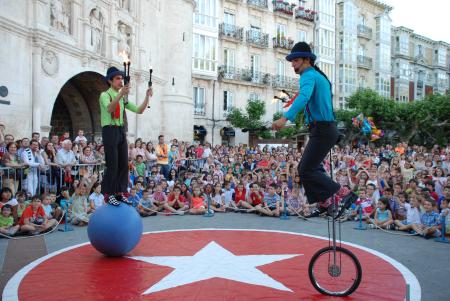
[[115, 230]]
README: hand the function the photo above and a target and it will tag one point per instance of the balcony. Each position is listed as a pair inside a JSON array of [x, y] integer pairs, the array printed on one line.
[[234, 1], [200, 110], [364, 62], [284, 82], [283, 8], [305, 14], [283, 43], [231, 32], [258, 4], [257, 38], [364, 31], [244, 75]]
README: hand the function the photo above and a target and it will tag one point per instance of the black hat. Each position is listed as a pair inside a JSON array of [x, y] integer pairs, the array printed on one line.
[[301, 49], [113, 71]]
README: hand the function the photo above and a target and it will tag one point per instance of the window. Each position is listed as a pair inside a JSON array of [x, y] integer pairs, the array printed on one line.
[[325, 43], [205, 48], [227, 101], [254, 96], [403, 44], [281, 66], [301, 36], [362, 20], [383, 57], [342, 102], [281, 31], [327, 11], [440, 56], [255, 65], [228, 60], [362, 50], [384, 29], [383, 84], [228, 18], [206, 13], [362, 82], [199, 101], [347, 78], [404, 71], [419, 50], [328, 69]]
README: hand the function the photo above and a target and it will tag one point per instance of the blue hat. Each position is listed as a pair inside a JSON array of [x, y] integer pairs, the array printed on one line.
[[113, 71], [301, 49]]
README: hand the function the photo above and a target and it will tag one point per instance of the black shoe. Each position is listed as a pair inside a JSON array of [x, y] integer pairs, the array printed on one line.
[[113, 201], [124, 200], [345, 203], [315, 213]]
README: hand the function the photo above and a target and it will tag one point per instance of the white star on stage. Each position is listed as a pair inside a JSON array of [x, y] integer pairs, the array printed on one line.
[[214, 261]]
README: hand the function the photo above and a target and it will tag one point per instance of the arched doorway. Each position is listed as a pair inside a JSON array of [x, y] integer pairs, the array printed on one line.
[[76, 106]]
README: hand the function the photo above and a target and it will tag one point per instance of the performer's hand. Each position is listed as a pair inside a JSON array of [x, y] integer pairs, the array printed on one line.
[[125, 90], [279, 124], [149, 92]]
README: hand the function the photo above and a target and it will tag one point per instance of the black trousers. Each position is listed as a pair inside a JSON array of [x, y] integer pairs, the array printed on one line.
[[316, 182], [116, 157]]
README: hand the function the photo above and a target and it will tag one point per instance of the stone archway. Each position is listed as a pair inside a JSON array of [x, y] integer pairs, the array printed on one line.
[[76, 106]]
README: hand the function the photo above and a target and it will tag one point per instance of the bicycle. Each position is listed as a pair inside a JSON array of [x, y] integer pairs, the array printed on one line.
[[340, 272]]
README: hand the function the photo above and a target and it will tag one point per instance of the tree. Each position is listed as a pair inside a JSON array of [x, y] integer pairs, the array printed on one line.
[[421, 122], [251, 118]]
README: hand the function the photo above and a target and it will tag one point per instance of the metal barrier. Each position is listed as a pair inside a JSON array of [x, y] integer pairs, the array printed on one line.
[[49, 178]]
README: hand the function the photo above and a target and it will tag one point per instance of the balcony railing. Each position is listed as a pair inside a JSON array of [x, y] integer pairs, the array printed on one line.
[[200, 110], [364, 62], [284, 82], [364, 31], [283, 43], [261, 4], [283, 7], [305, 14], [257, 38], [246, 75], [231, 32]]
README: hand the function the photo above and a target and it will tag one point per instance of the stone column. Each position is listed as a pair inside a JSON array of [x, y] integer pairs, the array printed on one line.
[[177, 113]]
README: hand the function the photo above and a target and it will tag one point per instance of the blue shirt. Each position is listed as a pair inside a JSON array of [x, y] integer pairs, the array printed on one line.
[[271, 201], [430, 219], [315, 93]]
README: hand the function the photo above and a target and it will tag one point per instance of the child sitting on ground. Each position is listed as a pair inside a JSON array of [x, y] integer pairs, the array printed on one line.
[[429, 221], [198, 202], [7, 221], [383, 215], [33, 220], [146, 206], [412, 215]]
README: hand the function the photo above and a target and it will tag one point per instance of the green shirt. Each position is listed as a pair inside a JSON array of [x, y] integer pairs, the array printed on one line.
[[140, 168], [105, 99], [6, 221]]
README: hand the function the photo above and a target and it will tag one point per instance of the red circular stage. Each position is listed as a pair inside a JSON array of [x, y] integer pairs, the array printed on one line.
[[206, 264]]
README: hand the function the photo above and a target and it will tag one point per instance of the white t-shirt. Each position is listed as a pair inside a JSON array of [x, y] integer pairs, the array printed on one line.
[[80, 138], [97, 199], [412, 214], [206, 153], [227, 195], [12, 202]]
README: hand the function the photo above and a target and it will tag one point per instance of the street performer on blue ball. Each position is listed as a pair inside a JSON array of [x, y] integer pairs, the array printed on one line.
[[113, 121], [315, 99]]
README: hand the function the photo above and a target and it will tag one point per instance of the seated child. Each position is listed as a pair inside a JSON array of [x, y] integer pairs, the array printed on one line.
[[34, 220], [176, 203], [429, 221], [383, 215], [198, 202], [7, 221], [146, 206], [412, 215]]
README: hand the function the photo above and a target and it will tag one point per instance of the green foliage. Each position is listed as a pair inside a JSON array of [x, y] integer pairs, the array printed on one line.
[[421, 122], [251, 118]]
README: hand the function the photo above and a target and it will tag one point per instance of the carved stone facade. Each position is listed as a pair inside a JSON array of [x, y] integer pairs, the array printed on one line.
[[57, 64]]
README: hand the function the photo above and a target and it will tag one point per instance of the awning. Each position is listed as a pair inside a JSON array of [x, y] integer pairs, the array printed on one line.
[[199, 130], [227, 132]]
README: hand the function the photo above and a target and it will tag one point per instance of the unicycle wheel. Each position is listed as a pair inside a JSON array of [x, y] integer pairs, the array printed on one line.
[[335, 271]]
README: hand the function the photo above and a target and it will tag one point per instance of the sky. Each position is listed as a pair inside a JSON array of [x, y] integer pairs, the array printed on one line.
[[429, 18]]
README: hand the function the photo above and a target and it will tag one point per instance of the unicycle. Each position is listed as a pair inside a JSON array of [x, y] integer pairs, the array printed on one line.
[[334, 270]]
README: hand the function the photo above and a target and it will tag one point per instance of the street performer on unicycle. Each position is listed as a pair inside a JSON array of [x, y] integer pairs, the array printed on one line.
[[315, 99]]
